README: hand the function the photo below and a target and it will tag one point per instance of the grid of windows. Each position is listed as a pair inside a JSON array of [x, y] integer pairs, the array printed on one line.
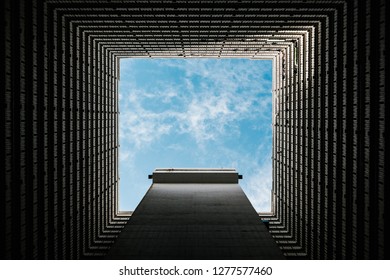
[[59, 116]]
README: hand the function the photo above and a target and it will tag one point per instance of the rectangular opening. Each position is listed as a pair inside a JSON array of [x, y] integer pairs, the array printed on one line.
[[208, 113]]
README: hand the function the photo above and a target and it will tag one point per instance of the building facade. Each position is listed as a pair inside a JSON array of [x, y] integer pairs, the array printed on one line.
[[195, 214], [59, 116]]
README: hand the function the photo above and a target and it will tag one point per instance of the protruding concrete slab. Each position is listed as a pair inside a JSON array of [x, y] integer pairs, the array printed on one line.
[[195, 175]]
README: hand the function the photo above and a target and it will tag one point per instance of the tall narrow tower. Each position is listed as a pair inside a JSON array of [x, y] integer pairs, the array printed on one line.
[[195, 214]]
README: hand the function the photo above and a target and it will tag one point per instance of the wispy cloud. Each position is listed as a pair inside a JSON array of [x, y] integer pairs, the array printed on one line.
[[257, 185], [219, 110], [209, 105]]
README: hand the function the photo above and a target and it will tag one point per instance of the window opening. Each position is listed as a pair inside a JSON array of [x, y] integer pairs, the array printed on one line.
[[208, 113]]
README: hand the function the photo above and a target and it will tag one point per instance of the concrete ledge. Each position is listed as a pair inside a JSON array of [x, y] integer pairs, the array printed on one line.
[[195, 175]]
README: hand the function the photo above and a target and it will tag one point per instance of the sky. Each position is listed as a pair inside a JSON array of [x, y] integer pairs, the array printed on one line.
[[188, 113]]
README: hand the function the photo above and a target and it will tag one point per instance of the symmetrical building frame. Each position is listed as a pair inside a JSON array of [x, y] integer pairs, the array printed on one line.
[[59, 116]]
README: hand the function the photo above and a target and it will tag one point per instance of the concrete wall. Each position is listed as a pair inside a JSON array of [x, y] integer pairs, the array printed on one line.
[[59, 117], [195, 221]]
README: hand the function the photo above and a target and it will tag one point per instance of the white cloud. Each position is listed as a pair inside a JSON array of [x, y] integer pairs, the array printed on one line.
[[207, 117], [258, 186], [142, 127], [206, 107], [124, 155], [205, 111], [227, 75]]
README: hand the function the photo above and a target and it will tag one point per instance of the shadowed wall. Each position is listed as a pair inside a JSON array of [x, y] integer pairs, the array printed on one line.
[[184, 218], [59, 116]]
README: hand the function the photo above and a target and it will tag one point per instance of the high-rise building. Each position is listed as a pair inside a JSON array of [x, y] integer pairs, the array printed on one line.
[[59, 116], [195, 214]]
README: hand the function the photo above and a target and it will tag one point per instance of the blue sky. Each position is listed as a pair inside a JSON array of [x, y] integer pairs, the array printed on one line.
[[209, 113]]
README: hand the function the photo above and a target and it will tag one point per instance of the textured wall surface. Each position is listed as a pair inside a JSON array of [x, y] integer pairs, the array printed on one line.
[[195, 221], [59, 116]]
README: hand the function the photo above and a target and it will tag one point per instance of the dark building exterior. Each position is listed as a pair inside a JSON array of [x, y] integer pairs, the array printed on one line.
[[195, 214], [59, 116]]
